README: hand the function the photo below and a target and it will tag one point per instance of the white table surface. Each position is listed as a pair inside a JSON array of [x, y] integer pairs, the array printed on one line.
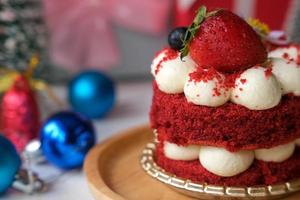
[[132, 108]]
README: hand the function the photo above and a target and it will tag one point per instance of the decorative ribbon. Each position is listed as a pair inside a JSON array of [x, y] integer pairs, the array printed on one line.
[[81, 31], [8, 77]]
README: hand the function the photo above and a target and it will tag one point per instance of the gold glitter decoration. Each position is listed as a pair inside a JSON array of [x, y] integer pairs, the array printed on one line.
[[261, 28]]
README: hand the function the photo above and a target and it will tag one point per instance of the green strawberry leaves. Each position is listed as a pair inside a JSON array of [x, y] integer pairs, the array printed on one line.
[[192, 30]]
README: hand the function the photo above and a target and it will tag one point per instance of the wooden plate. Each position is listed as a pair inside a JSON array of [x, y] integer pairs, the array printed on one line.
[[113, 170]]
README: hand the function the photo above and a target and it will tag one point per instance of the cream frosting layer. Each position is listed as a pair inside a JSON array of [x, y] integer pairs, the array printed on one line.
[[288, 75], [289, 53], [222, 162], [171, 74], [257, 88], [276, 154], [207, 92], [176, 152]]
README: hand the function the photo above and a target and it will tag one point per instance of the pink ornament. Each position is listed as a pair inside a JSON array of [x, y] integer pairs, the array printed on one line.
[[81, 30], [80, 35], [143, 16]]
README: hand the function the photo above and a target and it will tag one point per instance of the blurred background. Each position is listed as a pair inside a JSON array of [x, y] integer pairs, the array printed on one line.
[[57, 42], [117, 36]]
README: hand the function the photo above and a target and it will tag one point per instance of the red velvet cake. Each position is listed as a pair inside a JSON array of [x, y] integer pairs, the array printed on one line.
[[226, 111]]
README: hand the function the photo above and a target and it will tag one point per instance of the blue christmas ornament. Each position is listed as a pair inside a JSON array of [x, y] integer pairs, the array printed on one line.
[[66, 138], [10, 163], [92, 93]]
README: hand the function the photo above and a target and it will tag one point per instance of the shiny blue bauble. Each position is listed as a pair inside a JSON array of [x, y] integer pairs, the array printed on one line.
[[10, 163], [66, 138], [92, 94]]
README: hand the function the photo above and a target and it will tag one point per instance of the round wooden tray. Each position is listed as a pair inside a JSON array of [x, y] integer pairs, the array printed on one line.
[[113, 170]]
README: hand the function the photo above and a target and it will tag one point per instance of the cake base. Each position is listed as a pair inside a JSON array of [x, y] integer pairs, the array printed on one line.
[[259, 173], [205, 191], [113, 170]]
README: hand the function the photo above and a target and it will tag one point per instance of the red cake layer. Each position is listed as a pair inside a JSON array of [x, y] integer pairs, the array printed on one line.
[[260, 173], [230, 126]]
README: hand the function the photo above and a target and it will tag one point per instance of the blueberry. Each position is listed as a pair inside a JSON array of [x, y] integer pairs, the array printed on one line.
[[175, 38]]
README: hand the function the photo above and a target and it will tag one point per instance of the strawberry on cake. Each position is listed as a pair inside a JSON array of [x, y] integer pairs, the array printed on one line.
[[226, 111]]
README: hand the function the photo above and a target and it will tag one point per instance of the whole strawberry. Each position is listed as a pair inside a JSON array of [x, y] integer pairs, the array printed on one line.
[[224, 41]]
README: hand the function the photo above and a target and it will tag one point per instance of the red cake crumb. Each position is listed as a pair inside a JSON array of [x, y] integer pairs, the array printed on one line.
[[217, 91], [243, 81], [231, 77], [230, 126], [268, 72], [170, 54], [260, 173], [298, 58], [286, 56], [205, 75]]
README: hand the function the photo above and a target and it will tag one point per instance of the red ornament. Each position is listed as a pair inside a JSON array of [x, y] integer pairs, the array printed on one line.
[[19, 116]]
